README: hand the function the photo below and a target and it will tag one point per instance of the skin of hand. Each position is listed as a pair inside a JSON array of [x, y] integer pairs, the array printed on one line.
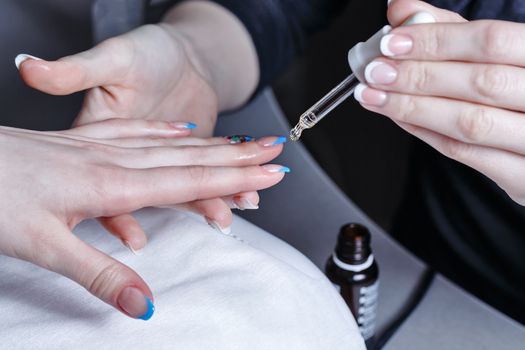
[[54, 180], [458, 86], [173, 71]]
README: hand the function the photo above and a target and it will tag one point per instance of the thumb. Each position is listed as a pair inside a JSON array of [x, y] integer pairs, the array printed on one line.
[[102, 65], [401, 10], [103, 276]]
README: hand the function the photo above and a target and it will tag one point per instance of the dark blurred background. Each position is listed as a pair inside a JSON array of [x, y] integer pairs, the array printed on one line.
[[364, 153]]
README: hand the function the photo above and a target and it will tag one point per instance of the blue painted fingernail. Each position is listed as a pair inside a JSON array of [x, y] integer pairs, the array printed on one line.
[[183, 125], [151, 310], [272, 168], [271, 141], [280, 140], [137, 305]]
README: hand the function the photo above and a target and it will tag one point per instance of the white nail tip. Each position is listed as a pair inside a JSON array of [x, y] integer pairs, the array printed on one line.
[[24, 57], [247, 205], [385, 42], [226, 231], [420, 18], [358, 92], [136, 252], [369, 69]]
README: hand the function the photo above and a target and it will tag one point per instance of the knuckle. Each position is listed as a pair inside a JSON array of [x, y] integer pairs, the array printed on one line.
[[496, 40], [475, 124], [432, 44], [456, 150], [113, 190], [406, 107], [420, 76], [490, 82], [105, 281], [199, 176]]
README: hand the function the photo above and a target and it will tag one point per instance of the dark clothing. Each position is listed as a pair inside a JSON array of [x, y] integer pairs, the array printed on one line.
[[453, 217]]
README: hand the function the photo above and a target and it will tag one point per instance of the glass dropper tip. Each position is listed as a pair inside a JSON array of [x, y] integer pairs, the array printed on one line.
[[295, 133]]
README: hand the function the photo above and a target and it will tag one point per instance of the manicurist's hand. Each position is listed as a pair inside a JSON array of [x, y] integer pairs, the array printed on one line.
[[50, 182], [457, 85]]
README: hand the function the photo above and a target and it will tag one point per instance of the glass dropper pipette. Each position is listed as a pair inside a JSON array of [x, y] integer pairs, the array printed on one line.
[[327, 104], [358, 58]]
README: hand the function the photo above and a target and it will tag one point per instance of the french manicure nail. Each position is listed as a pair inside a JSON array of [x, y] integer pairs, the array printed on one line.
[[420, 18], [365, 95], [395, 45], [231, 203], [137, 252], [215, 225], [245, 204], [272, 168], [272, 141], [179, 125], [136, 304], [236, 139], [378, 72], [24, 57]]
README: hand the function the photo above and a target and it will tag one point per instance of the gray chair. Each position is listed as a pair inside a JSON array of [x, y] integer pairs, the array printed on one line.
[[307, 209]]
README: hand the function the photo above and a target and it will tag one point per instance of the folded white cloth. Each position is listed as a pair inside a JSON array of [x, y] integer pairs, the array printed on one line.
[[211, 292]]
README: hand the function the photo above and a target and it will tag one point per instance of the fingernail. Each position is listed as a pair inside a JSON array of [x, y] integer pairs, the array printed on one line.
[[216, 226], [420, 18], [137, 252], [24, 57], [179, 125], [378, 72], [232, 204], [395, 45], [136, 304], [272, 141], [236, 139], [272, 168], [388, 2], [245, 204], [368, 96]]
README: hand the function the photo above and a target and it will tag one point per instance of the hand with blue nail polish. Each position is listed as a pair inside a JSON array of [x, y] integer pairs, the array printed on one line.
[[166, 72], [51, 181]]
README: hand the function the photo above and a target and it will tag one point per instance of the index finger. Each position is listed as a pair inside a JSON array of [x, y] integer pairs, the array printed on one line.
[[483, 41], [399, 11]]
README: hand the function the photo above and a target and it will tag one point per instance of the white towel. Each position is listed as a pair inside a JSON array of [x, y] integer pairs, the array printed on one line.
[[211, 292]]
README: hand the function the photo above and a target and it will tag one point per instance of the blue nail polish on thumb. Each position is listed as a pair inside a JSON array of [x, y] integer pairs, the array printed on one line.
[[151, 310]]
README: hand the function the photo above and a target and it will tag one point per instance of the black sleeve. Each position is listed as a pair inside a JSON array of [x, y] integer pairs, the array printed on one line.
[[280, 28], [509, 10]]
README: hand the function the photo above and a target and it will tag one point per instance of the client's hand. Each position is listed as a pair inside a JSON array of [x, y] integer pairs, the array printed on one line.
[[173, 71], [458, 86], [52, 181]]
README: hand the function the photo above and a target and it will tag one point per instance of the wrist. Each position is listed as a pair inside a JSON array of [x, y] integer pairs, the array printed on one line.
[[220, 48]]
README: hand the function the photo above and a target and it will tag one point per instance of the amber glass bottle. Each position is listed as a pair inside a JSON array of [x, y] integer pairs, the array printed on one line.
[[353, 270]]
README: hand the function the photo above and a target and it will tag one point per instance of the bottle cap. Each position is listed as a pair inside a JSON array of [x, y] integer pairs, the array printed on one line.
[[353, 244]]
